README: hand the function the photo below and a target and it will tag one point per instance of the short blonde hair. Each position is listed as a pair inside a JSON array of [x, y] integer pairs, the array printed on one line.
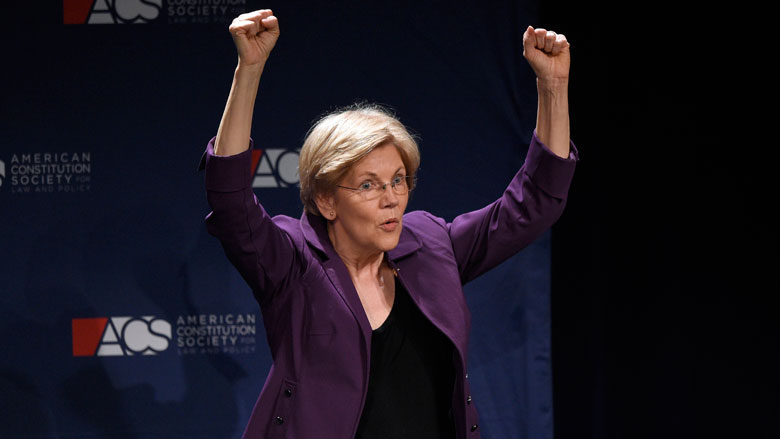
[[340, 139]]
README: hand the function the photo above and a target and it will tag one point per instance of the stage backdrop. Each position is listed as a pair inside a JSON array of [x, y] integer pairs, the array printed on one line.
[[121, 317]]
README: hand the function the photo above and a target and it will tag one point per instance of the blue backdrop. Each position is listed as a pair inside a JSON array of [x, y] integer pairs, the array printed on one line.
[[120, 315]]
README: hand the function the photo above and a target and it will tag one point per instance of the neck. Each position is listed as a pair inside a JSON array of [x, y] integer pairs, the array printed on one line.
[[360, 264]]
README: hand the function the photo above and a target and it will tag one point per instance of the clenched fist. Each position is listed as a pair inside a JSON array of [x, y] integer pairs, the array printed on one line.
[[255, 34], [547, 53]]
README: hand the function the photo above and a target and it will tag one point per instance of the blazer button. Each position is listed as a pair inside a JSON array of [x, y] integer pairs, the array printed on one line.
[[474, 427], [288, 392], [468, 400], [279, 421]]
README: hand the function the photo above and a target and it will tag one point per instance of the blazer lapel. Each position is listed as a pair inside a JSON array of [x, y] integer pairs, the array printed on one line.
[[408, 243], [315, 232]]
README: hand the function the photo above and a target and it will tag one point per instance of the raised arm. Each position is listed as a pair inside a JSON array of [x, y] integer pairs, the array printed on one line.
[[548, 54], [537, 195], [254, 35], [257, 246]]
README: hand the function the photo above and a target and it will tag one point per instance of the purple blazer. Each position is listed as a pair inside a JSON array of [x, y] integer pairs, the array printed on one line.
[[318, 333]]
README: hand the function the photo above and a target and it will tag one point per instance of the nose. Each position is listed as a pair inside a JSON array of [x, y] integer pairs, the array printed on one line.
[[389, 197]]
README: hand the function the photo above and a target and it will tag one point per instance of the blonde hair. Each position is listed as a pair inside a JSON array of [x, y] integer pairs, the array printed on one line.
[[340, 139]]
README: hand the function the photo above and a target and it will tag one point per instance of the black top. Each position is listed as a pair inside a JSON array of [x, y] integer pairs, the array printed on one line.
[[411, 378]]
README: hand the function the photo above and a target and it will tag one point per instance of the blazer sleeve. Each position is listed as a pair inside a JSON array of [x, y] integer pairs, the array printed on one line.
[[263, 253], [532, 202]]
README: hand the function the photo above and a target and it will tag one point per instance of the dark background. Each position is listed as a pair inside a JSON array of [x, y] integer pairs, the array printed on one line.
[[664, 264]]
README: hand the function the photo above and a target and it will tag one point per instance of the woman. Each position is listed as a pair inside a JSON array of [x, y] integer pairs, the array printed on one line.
[[363, 304]]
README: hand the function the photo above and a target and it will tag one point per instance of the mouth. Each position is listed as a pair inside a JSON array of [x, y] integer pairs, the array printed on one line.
[[390, 224]]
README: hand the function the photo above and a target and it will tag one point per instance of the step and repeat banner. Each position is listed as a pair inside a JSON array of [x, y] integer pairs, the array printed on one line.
[[121, 317]]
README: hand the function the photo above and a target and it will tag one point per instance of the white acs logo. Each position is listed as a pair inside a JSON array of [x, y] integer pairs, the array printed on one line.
[[275, 168], [124, 11], [2, 172], [119, 336]]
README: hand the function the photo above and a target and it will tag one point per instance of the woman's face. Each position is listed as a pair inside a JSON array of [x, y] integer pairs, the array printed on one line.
[[369, 223]]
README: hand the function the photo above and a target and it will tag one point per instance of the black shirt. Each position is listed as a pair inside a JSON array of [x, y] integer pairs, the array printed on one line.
[[411, 378]]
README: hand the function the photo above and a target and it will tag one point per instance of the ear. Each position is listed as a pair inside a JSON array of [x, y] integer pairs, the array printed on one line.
[[326, 204]]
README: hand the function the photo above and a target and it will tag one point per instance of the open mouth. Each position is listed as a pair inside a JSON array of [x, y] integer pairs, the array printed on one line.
[[390, 224]]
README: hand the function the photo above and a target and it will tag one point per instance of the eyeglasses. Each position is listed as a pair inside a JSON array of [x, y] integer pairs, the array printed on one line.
[[371, 189]]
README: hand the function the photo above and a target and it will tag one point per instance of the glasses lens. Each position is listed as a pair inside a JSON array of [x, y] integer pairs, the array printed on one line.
[[399, 185], [404, 185]]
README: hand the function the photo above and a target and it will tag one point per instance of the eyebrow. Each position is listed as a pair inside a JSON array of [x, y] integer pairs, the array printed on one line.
[[373, 174]]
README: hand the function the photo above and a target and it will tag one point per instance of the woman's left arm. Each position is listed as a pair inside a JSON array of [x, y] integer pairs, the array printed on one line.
[[537, 195], [548, 55]]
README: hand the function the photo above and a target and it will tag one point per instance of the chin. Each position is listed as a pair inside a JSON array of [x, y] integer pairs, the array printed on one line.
[[389, 242]]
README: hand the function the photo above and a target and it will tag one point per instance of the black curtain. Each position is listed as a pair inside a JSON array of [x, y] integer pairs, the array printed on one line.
[[664, 287]]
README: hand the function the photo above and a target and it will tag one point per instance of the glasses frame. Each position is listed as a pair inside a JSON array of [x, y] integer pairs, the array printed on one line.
[[411, 182]]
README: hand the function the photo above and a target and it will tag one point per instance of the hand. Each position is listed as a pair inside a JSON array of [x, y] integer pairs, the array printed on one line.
[[547, 53], [255, 34]]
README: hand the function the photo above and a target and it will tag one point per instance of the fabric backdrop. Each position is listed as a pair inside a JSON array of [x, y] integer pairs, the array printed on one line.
[[121, 317]]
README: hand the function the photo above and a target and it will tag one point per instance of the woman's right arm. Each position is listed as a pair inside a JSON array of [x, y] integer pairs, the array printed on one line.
[[261, 251], [254, 35]]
